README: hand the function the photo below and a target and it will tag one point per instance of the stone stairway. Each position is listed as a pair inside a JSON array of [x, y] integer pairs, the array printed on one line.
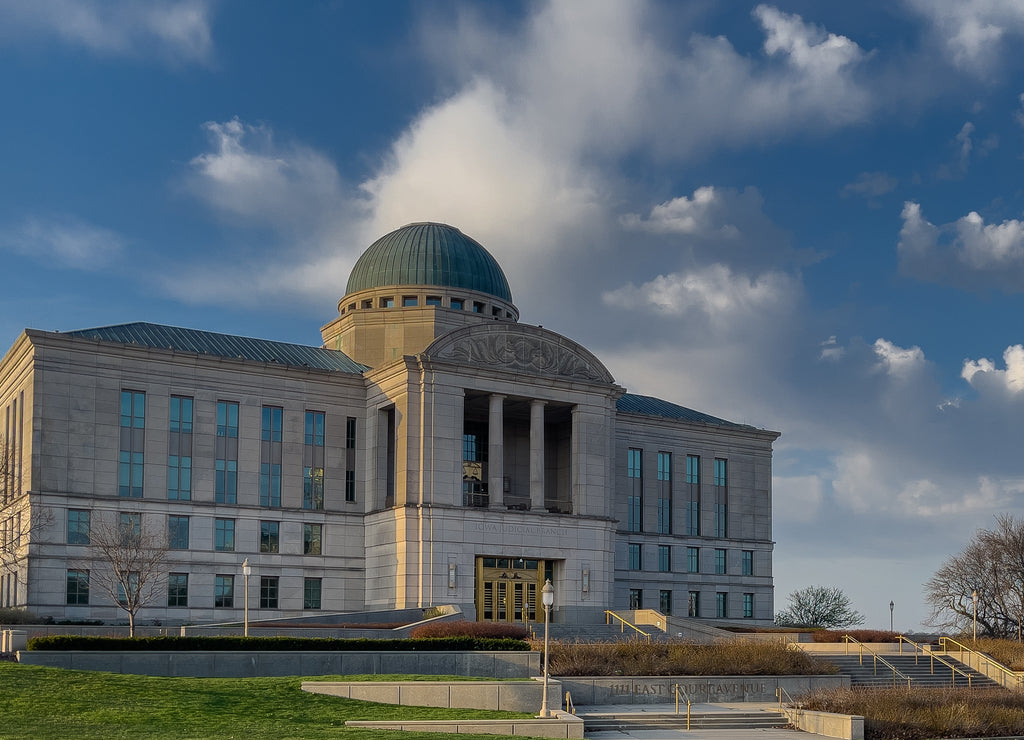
[[922, 673], [594, 722]]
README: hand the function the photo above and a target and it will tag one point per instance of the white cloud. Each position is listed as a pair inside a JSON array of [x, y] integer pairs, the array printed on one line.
[[871, 185], [898, 362], [701, 215], [973, 32], [178, 30], [1018, 115], [830, 350], [725, 297], [68, 242], [982, 373], [967, 253], [797, 499]]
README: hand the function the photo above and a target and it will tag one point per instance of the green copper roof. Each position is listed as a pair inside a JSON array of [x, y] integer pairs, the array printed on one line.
[[429, 254], [222, 345], [631, 403]]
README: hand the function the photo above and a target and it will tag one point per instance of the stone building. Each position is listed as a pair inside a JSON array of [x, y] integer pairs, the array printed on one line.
[[433, 450]]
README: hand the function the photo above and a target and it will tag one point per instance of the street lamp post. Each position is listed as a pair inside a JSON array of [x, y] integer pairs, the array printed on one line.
[[547, 598], [892, 606], [974, 598], [246, 572]]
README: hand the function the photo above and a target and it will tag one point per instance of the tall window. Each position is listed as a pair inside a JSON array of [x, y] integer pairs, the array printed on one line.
[[748, 606], [224, 592], [693, 604], [474, 466], [270, 456], [224, 535], [350, 458], [177, 532], [270, 536], [311, 590], [665, 602], [312, 539], [313, 461], [179, 449], [721, 605], [635, 558], [129, 527], [268, 592], [748, 562], [78, 527], [693, 495], [177, 589], [721, 498], [693, 560], [133, 442], [720, 561], [78, 587], [664, 558], [226, 452], [635, 501], [664, 493], [636, 598]]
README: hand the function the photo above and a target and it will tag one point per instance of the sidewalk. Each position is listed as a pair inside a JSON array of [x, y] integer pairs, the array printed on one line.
[[694, 734]]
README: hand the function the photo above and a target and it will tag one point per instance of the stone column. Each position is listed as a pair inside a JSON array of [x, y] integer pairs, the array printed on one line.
[[537, 455], [495, 451]]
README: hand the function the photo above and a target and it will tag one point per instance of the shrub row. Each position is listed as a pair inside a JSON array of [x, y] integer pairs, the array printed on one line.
[[463, 628], [268, 644], [860, 635]]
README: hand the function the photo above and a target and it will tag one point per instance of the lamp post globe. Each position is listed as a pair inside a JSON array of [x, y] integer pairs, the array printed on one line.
[[892, 606], [547, 598], [246, 572]]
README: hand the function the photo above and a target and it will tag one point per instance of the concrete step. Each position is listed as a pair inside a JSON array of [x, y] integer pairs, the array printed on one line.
[[922, 673], [626, 721]]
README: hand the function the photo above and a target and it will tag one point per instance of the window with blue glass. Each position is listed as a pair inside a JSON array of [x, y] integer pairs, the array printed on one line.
[[78, 527], [664, 493], [131, 461], [693, 560], [748, 606], [177, 532], [179, 449], [313, 461], [224, 535], [635, 497], [226, 453], [748, 562], [693, 495], [664, 558], [270, 456], [721, 498], [721, 605], [635, 557], [720, 561]]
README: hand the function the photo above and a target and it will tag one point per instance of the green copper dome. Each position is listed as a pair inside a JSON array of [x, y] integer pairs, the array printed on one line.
[[429, 254]]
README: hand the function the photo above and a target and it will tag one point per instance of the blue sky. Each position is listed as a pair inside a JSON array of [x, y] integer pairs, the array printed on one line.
[[800, 215]]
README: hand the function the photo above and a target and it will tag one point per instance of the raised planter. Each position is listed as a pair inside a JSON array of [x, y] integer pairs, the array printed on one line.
[[506, 696]]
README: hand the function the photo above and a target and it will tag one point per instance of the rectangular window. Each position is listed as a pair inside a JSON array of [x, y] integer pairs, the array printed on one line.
[[720, 561], [270, 536], [314, 429], [133, 586], [224, 535], [312, 539], [664, 516], [224, 592], [433, 300], [664, 493], [721, 605], [636, 598], [177, 532], [478, 307], [693, 560], [133, 439], [665, 466], [721, 476], [388, 302], [408, 301], [78, 527], [748, 606], [179, 449], [311, 590], [177, 589], [457, 304], [693, 604], [693, 495], [635, 557], [129, 528], [665, 602], [664, 558], [313, 488], [270, 456], [226, 453], [268, 592], [350, 485], [350, 433], [748, 562], [635, 499], [721, 498], [78, 587]]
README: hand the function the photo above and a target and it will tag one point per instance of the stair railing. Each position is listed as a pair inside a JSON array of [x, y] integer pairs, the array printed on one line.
[[779, 692], [608, 615], [677, 689], [954, 670], [983, 659], [896, 673], [569, 706]]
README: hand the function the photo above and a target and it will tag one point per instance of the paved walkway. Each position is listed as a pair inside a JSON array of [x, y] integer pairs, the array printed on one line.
[[696, 734]]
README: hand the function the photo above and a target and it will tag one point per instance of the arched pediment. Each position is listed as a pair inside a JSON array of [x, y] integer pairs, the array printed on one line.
[[519, 348]]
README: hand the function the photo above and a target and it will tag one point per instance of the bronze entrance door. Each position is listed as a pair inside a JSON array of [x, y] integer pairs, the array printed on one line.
[[507, 589]]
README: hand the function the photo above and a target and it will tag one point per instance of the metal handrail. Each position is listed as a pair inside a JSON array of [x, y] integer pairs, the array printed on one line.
[[677, 690], [933, 657], [623, 623], [944, 641], [877, 659], [569, 706], [779, 692]]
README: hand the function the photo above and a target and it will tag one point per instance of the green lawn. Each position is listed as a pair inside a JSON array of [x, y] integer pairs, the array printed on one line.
[[43, 703]]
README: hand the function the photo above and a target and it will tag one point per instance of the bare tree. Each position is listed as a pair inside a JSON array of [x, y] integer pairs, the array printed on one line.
[[19, 519], [991, 566], [819, 606], [128, 558]]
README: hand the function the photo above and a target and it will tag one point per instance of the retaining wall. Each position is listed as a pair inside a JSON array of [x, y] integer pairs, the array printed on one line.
[[844, 726], [586, 690], [507, 696]]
